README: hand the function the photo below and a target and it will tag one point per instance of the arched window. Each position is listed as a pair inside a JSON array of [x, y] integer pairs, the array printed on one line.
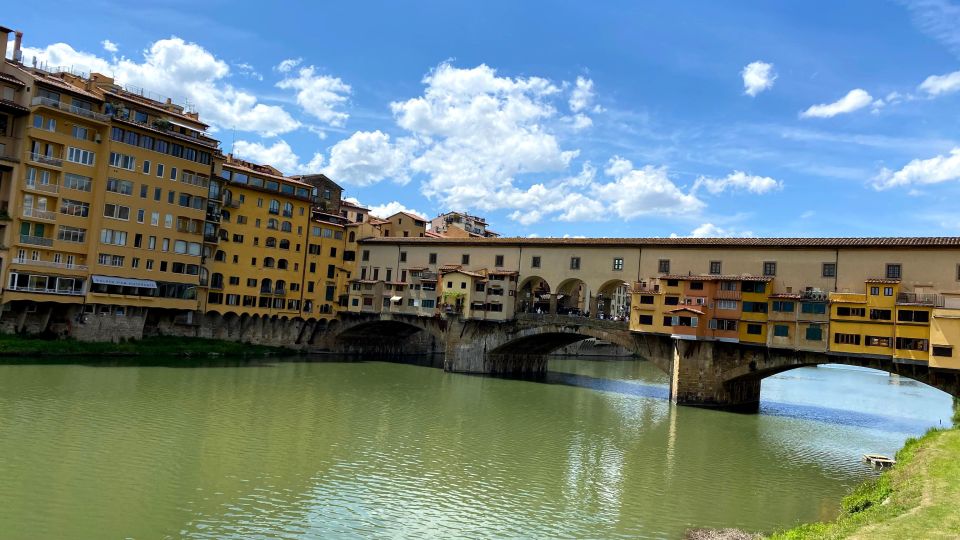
[[272, 224], [352, 237], [227, 197], [280, 287], [288, 210], [286, 227], [271, 242], [220, 256], [282, 264], [224, 234], [225, 215], [266, 286], [274, 206], [216, 281], [284, 244], [268, 262]]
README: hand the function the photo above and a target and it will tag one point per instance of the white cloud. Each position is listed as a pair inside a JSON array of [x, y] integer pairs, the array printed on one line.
[[922, 171], [383, 211], [738, 181], [582, 95], [581, 121], [109, 46], [940, 19], [248, 70], [757, 77], [286, 66], [367, 157], [854, 100], [278, 155], [936, 85], [321, 96], [709, 230], [646, 191], [181, 70]]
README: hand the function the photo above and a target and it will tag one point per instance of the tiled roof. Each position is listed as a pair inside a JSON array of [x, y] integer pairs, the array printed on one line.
[[12, 105], [11, 79], [685, 308], [155, 105], [882, 280], [825, 243], [716, 277], [408, 214]]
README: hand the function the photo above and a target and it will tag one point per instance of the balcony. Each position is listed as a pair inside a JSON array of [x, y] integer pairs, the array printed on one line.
[[50, 264], [920, 299], [726, 295], [43, 188], [854, 298], [36, 213], [36, 240], [644, 287], [7, 154], [210, 238], [46, 160], [45, 290], [72, 109]]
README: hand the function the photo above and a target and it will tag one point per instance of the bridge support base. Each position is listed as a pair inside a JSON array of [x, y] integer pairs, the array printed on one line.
[[697, 378]]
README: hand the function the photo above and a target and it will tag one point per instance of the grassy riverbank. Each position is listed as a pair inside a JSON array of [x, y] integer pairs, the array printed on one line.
[[153, 346], [918, 498]]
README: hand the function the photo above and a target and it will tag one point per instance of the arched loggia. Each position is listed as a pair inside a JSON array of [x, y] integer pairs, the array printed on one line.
[[534, 295]]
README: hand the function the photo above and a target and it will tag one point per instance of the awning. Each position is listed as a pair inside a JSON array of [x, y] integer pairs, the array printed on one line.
[[396, 299], [124, 282], [184, 125]]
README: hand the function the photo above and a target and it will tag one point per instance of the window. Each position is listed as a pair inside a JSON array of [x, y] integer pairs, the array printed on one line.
[[843, 311], [780, 330], [874, 291], [122, 161], [846, 339], [465, 259], [893, 271], [574, 263], [71, 234], [112, 237], [673, 282], [155, 219], [403, 254], [813, 308], [366, 255], [122, 187], [81, 133], [77, 182], [943, 350], [74, 208], [880, 314], [723, 324], [785, 307], [754, 307], [727, 304], [646, 319], [908, 315], [755, 329], [671, 301], [696, 285], [159, 169], [115, 211], [146, 166], [753, 286], [911, 344], [663, 266], [769, 268], [829, 270], [716, 267], [877, 341], [888, 291], [173, 172], [617, 263], [498, 261], [535, 262], [78, 155], [814, 333]]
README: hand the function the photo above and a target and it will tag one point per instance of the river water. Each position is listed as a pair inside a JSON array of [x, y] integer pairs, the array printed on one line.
[[297, 449]]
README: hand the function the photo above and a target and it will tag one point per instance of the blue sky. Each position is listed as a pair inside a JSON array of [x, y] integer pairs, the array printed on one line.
[[568, 118]]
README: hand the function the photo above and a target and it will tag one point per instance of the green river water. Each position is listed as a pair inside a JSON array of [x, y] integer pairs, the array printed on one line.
[[298, 449]]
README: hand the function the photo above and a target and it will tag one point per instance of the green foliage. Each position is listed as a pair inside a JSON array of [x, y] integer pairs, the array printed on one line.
[[867, 494]]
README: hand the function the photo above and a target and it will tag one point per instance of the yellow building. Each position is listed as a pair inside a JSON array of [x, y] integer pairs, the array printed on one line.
[[863, 323], [755, 294], [405, 225], [648, 308]]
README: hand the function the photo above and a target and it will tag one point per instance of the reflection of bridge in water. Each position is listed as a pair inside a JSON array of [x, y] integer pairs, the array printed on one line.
[[704, 373]]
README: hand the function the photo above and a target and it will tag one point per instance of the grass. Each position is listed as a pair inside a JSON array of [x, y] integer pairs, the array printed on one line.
[[11, 345], [918, 498]]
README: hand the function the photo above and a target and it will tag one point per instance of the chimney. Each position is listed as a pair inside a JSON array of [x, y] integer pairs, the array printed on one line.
[[18, 37]]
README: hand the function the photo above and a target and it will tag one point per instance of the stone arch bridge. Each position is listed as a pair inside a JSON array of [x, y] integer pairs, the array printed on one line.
[[701, 373]]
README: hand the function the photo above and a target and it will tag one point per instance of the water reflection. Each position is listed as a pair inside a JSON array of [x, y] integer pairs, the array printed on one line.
[[368, 449]]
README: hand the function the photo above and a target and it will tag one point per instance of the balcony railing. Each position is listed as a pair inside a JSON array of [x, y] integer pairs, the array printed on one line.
[[73, 109], [36, 213], [642, 287], [46, 188], [45, 290], [36, 240], [726, 295], [50, 264], [848, 297], [46, 160], [923, 299]]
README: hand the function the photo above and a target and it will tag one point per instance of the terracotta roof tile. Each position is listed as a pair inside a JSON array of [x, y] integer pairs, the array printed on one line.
[[825, 243]]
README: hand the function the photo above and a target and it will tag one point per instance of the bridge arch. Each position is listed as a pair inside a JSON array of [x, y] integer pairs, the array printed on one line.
[[613, 299], [573, 296], [533, 293]]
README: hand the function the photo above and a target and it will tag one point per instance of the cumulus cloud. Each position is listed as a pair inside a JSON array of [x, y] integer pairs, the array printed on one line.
[[709, 230], [934, 170], [854, 100], [644, 191], [383, 211], [738, 181], [581, 98], [248, 70], [368, 157], [757, 77], [321, 96], [937, 85], [109, 46], [286, 66], [279, 155], [181, 70]]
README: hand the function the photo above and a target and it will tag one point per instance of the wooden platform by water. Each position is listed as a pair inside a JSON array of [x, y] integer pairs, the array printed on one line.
[[879, 462]]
